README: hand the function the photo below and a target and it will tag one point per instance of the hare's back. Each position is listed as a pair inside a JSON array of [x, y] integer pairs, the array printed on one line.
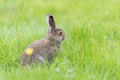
[[36, 44]]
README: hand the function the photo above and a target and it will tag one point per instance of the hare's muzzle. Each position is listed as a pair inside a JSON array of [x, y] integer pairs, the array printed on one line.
[[63, 38]]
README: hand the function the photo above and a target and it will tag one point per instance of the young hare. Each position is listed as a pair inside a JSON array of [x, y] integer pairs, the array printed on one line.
[[47, 48]]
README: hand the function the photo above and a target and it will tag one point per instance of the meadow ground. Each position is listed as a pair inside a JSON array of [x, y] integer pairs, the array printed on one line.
[[91, 50]]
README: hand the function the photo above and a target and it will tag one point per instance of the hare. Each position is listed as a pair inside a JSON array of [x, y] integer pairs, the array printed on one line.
[[47, 48]]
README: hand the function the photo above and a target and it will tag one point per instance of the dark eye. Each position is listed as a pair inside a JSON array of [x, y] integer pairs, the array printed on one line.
[[60, 33]]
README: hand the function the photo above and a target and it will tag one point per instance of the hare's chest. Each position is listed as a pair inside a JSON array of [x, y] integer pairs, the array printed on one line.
[[51, 52]]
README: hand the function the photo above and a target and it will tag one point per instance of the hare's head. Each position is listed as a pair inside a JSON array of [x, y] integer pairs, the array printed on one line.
[[54, 33]]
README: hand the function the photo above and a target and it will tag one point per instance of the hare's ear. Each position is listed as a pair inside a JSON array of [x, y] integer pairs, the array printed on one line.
[[50, 21]]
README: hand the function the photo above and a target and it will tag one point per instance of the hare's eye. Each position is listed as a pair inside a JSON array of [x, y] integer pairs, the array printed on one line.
[[60, 33]]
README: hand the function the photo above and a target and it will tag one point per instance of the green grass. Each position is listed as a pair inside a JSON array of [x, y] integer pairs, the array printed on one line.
[[91, 50]]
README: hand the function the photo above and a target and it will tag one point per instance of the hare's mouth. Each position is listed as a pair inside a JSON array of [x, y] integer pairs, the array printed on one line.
[[63, 38]]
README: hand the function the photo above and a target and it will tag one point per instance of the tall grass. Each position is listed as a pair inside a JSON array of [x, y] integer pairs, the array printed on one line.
[[91, 50]]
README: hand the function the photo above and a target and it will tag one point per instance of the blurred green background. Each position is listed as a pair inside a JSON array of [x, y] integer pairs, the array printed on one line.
[[91, 50]]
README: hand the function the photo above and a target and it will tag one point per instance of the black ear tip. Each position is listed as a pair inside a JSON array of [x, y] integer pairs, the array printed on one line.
[[49, 15]]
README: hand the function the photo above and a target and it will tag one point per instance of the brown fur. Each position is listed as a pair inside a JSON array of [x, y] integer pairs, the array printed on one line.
[[46, 48]]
